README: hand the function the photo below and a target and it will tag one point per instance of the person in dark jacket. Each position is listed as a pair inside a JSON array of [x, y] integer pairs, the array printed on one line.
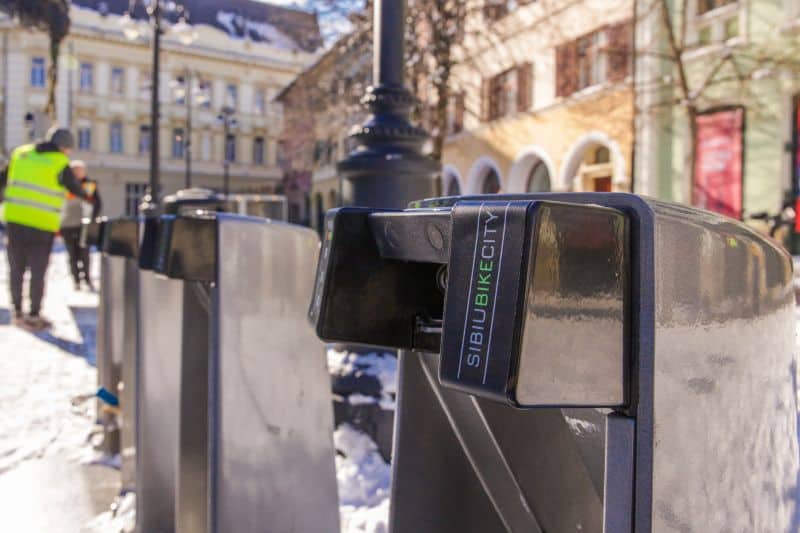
[[74, 210], [35, 183]]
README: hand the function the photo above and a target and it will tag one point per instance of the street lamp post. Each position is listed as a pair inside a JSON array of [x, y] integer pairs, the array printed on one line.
[[150, 200], [187, 141], [228, 123], [154, 9], [388, 169]]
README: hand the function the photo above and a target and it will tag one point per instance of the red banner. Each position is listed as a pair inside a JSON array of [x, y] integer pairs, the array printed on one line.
[[718, 165]]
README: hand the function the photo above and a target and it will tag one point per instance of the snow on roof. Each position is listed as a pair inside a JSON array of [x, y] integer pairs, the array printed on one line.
[[279, 26]]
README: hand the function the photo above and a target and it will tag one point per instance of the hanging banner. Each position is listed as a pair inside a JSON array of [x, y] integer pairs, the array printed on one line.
[[718, 166]]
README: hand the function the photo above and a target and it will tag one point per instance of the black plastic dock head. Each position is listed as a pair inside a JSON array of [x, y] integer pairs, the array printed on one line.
[[92, 231], [535, 305], [187, 247], [120, 237]]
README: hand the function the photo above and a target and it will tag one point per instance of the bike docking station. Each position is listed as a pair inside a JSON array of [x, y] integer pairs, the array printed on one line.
[[158, 393], [117, 332], [250, 418], [108, 369], [573, 362]]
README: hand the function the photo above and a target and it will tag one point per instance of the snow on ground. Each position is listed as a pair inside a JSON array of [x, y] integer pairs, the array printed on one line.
[[363, 479], [46, 405], [46, 377]]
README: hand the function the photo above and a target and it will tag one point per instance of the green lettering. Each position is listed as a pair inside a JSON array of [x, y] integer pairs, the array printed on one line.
[[486, 266], [482, 300]]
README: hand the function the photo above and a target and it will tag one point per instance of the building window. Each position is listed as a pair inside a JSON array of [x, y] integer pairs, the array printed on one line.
[[146, 85], [86, 78], [258, 151], [715, 21], [205, 147], [538, 178], [38, 75], [704, 6], [598, 57], [179, 90], [503, 94], [144, 139], [84, 138], [260, 104], [231, 96], [491, 183], [178, 142], [115, 141], [117, 81], [203, 94], [134, 192], [507, 93], [455, 113], [591, 60], [495, 9], [230, 148], [453, 187]]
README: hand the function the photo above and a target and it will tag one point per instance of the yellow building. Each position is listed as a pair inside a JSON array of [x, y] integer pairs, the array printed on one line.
[[542, 100], [239, 54]]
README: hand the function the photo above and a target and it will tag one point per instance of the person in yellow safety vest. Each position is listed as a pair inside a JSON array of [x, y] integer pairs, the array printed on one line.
[[35, 185]]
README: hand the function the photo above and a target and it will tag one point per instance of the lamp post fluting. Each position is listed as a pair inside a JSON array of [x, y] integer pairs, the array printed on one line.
[[388, 168], [131, 30], [150, 200], [228, 123], [187, 141]]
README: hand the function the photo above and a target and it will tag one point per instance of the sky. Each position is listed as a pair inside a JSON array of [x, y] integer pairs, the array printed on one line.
[[331, 24]]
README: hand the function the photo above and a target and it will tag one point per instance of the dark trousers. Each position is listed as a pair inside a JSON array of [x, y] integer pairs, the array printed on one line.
[[28, 249], [78, 255]]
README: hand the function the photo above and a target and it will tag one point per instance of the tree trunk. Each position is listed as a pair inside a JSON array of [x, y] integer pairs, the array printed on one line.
[[691, 152], [52, 80]]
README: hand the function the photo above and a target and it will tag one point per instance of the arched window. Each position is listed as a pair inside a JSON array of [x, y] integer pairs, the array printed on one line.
[[453, 188], [491, 183], [602, 155], [538, 178]]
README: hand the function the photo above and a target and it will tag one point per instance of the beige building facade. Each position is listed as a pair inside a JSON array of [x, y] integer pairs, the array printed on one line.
[[103, 96], [542, 100]]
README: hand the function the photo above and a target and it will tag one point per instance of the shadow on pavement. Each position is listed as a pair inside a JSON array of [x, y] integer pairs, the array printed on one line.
[[86, 321], [5, 317]]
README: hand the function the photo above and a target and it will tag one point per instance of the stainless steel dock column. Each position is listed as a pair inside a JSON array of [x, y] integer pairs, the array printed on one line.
[[580, 362], [119, 293], [158, 400], [255, 430]]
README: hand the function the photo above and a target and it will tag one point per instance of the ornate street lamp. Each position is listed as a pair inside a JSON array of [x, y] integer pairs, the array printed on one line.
[[229, 123], [387, 168], [186, 35], [191, 95]]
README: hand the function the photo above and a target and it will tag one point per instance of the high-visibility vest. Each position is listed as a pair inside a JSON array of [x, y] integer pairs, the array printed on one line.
[[34, 197]]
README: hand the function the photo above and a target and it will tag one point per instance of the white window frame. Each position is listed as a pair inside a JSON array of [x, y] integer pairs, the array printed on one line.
[[259, 140], [260, 101], [116, 142], [114, 90], [85, 138], [38, 72], [178, 145], [85, 77], [715, 20]]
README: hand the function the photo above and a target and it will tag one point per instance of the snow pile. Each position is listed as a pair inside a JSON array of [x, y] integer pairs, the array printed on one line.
[[45, 405], [364, 479], [120, 518], [381, 365]]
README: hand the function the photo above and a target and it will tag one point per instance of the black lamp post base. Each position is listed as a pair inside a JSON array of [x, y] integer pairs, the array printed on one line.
[[389, 180]]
